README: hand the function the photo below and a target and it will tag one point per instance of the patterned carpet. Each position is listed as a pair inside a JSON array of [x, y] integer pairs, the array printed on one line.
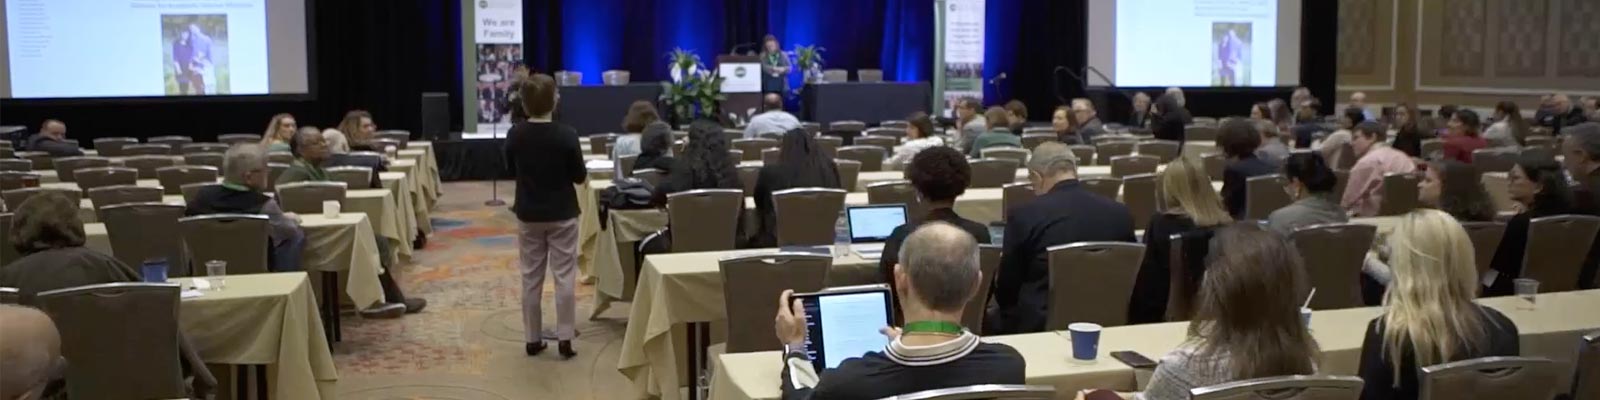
[[468, 343]]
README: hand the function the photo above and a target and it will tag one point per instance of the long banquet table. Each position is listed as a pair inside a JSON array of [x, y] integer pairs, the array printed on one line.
[[263, 319]]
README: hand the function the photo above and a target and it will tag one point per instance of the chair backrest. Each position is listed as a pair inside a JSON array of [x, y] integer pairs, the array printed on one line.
[[1032, 140], [1490, 378], [897, 192], [897, 132], [146, 150], [354, 178], [112, 146], [993, 172], [1141, 194], [886, 143], [751, 283], [192, 191], [615, 77], [1550, 258], [90, 178], [752, 147], [1586, 383], [174, 178], [847, 126], [397, 135], [1122, 166], [1263, 195], [1186, 267], [870, 157], [835, 75], [145, 230], [1215, 164], [1485, 241], [1092, 282], [174, 143], [17, 180], [197, 148], [811, 127], [280, 157], [1341, 181], [106, 196], [830, 145], [1105, 150], [1200, 132], [1333, 255], [1084, 153], [983, 392], [989, 264], [237, 138], [1434, 148], [869, 75], [66, 166], [806, 216], [1163, 150], [10, 295], [1541, 152], [1493, 160], [1106, 186], [15, 197], [1295, 387], [569, 78], [1015, 194], [849, 172], [1018, 154], [120, 340], [147, 165], [274, 170], [307, 197], [625, 165], [8, 253], [238, 239], [1399, 194], [213, 160], [653, 176], [748, 175], [15, 164], [704, 219], [41, 160], [894, 123]]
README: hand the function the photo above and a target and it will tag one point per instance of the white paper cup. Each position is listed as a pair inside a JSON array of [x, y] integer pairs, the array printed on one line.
[[1305, 316], [330, 209]]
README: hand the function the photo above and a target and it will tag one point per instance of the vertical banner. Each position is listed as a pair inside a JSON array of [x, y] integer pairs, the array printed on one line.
[[961, 60], [497, 27]]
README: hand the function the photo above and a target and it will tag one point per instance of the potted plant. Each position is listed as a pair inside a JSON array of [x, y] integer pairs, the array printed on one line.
[[809, 60], [693, 92], [682, 63]]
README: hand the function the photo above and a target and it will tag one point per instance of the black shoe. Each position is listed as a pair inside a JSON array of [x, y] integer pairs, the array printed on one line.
[[566, 350], [415, 304], [533, 349]]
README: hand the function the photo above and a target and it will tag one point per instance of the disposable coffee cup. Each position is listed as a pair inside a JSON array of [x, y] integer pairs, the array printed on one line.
[[330, 209], [1085, 340], [1305, 316]]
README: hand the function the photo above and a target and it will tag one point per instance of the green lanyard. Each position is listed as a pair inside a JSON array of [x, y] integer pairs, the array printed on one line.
[[934, 327]]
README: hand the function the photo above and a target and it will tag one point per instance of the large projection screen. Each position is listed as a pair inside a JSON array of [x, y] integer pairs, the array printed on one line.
[[1194, 43]]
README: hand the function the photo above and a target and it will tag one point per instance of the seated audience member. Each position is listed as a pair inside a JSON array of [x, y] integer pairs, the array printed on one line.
[[1509, 128], [1463, 137], [1017, 114], [1272, 149], [357, 125], [1300, 96], [52, 139], [1457, 189], [999, 135], [655, 148], [1140, 117], [704, 164], [1540, 187], [1247, 318], [1171, 117], [1306, 127], [1560, 114], [48, 235], [339, 156], [1065, 212], [1064, 126], [245, 172], [1364, 191], [920, 136], [337, 143], [801, 164], [772, 119], [1590, 106], [970, 122], [1335, 147], [1282, 116], [1238, 140], [1358, 100], [32, 351], [1311, 184], [1191, 205], [280, 130], [1176, 94], [937, 274], [1581, 157], [1259, 111], [1408, 137], [1442, 118], [939, 175], [1089, 125], [1429, 314], [640, 114], [310, 158]]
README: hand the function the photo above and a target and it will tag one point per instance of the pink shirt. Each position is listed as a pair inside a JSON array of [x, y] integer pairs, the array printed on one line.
[[1364, 192]]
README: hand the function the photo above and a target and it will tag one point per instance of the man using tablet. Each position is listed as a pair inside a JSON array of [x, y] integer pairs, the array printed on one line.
[[937, 274]]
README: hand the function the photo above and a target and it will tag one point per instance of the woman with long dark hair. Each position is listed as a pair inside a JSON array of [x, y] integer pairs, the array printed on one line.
[[1539, 186], [1408, 138], [1457, 189], [802, 163], [1311, 183], [704, 164], [1509, 128]]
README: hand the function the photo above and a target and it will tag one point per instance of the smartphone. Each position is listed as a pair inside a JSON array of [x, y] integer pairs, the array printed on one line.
[[1134, 359]]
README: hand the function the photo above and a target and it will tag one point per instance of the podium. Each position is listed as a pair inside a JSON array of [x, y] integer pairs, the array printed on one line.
[[741, 83]]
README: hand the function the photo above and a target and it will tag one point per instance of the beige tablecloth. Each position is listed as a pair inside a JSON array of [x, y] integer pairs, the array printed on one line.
[[405, 202], [1551, 330], [268, 319], [86, 210]]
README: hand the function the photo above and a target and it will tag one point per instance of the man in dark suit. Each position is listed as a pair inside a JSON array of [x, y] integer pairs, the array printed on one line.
[[1065, 212], [1581, 157], [1558, 114], [52, 138]]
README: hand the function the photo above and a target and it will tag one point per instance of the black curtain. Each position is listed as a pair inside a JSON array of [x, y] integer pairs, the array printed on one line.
[[1051, 34], [365, 54]]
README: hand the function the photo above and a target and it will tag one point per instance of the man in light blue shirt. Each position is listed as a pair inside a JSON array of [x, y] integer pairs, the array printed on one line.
[[772, 118]]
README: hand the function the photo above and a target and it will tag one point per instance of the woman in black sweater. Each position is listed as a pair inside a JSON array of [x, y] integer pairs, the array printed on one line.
[[1239, 139], [1191, 205], [802, 163], [1540, 187], [655, 148]]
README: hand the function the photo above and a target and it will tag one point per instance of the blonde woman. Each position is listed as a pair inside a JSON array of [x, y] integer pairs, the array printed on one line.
[[1191, 205], [358, 128], [279, 132], [1429, 316]]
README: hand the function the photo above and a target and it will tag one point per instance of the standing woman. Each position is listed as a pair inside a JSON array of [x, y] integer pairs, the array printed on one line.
[[920, 136], [358, 127], [774, 66], [801, 164], [1191, 205], [279, 132], [547, 161]]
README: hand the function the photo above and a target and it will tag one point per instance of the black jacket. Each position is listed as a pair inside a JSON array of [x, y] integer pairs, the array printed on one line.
[[876, 376], [1149, 301], [1233, 181], [1587, 195], [1069, 213], [56, 148], [221, 200], [547, 162], [345, 160], [655, 161], [1513, 246], [1378, 373], [1557, 121], [1170, 126], [774, 178], [891, 247]]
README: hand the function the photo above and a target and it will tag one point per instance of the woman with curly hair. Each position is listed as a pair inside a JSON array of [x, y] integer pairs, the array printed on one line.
[[939, 174], [1457, 189], [802, 163]]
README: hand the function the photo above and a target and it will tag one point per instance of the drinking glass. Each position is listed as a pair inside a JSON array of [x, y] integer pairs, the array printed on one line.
[[216, 270], [1528, 289]]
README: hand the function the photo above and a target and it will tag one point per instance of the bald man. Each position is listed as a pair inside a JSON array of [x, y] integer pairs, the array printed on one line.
[[1359, 100], [52, 138], [1559, 114], [31, 350], [772, 119]]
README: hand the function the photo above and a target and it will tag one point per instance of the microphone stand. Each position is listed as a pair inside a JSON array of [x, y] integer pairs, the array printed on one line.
[[494, 178]]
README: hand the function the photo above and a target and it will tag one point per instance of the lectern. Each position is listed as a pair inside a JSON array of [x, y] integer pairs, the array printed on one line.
[[741, 83]]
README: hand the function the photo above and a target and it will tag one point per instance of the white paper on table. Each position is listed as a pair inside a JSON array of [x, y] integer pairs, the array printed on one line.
[[189, 294], [599, 164]]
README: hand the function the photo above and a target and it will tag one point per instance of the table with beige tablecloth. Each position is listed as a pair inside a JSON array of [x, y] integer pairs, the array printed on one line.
[[1552, 329], [263, 319]]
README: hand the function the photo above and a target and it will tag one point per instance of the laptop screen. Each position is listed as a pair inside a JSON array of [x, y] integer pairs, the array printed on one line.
[[872, 224]]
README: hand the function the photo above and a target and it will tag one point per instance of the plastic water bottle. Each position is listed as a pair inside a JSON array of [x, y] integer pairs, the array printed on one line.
[[841, 236]]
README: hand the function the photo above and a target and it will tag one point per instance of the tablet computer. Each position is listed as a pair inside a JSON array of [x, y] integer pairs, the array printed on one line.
[[843, 323]]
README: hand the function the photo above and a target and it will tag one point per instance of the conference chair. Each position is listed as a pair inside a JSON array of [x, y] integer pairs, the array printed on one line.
[[599, 144], [146, 150], [1122, 166], [104, 357], [106, 196], [191, 191], [731, 134], [1142, 196], [983, 392], [1293, 387], [1540, 140], [383, 144], [704, 219], [112, 146], [1032, 140], [8, 253], [1490, 378], [735, 156], [897, 192], [750, 283], [7, 152], [15, 197], [147, 165], [1092, 282], [10, 295], [1341, 181], [569, 78], [1020, 155], [174, 143], [1106, 186], [752, 148], [806, 216], [17, 180], [812, 128], [15, 164], [849, 173], [835, 76], [1106, 150], [238, 138], [1208, 121], [354, 178], [67, 166], [307, 197], [1083, 153], [870, 157], [1042, 130], [830, 145], [993, 172], [615, 77], [1196, 132], [239, 239], [197, 148], [1543, 153], [90, 178], [653, 177], [1586, 383], [213, 160], [770, 156], [989, 264], [1433, 149], [748, 175], [625, 166], [40, 160], [1485, 238], [1493, 160], [1164, 150], [274, 170], [174, 178], [280, 157], [145, 230], [1550, 257], [1333, 254], [398, 135], [894, 123], [1186, 266], [1399, 194], [1216, 164], [884, 142], [1264, 194], [897, 132], [1013, 195], [869, 75]]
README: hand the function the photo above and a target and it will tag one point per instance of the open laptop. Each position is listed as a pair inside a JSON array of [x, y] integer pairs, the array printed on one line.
[[870, 226]]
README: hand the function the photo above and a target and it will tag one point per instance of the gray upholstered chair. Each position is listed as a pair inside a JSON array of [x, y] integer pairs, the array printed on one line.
[[174, 178], [849, 173], [652, 176], [830, 145], [1106, 186], [1203, 133], [847, 126], [15, 197], [1105, 150], [806, 216], [993, 172], [147, 165], [398, 135], [1399, 194], [1493, 160], [1333, 255], [15, 164], [174, 143], [771, 156], [869, 75], [8, 253], [886, 143], [1296, 387], [599, 142], [274, 170], [104, 359], [191, 191], [1485, 242], [1122, 166], [897, 192], [107, 196], [1032, 140], [752, 147], [1083, 152], [569, 78], [811, 127], [90, 178], [1018, 154], [704, 219], [1015, 194], [41, 160], [66, 166], [748, 175], [750, 284], [144, 230], [213, 160], [1092, 282], [1217, 163], [1263, 195], [1141, 194], [17, 180], [615, 77], [897, 132], [625, 166], [146, 150], [307, 197], [238, 239], [835, 76], [984, 392], [237, 138], [112, 146], [1490, 378], [1550, 258], [283, 157], [870, 157], [1586, 383], [989, 264], [1433, 149], [1164, 150], [197, 148], [354, 178]]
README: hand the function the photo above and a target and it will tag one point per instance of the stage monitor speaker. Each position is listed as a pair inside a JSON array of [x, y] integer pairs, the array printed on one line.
[[436, 117]]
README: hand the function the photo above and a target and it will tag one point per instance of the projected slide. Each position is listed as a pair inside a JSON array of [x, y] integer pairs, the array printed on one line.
[[148, 48], [1219, 43]]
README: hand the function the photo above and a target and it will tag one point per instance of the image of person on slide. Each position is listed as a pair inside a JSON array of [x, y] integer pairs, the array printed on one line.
[[1231, 56], [196, 63], [191, 56]]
